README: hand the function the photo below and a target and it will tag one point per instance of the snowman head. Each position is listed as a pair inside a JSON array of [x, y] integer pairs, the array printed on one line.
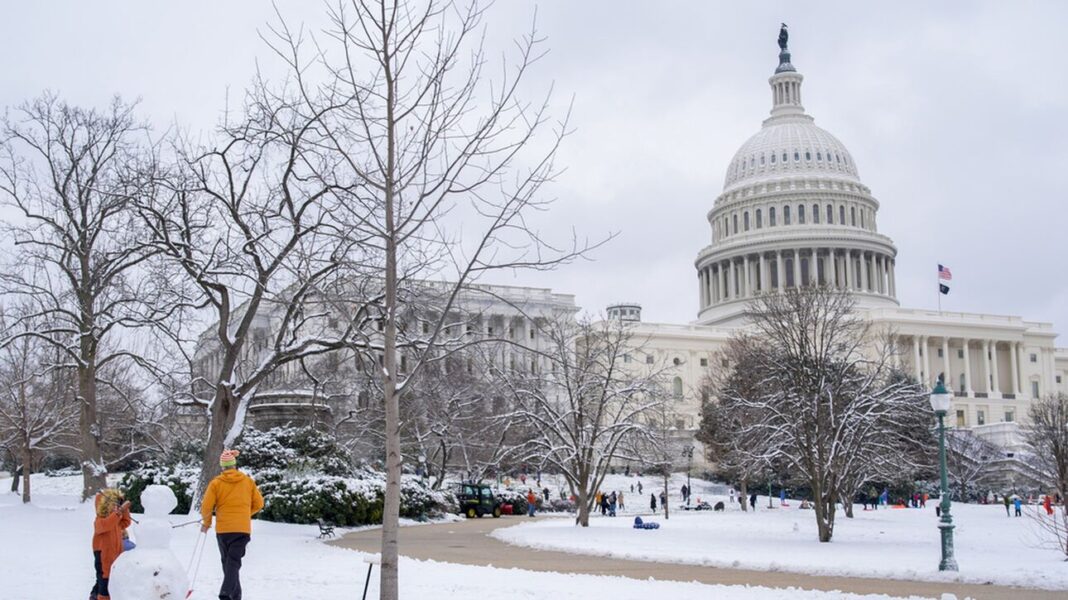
[[158, 500]]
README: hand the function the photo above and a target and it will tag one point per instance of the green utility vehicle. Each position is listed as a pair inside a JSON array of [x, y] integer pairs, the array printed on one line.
[[477, 499]]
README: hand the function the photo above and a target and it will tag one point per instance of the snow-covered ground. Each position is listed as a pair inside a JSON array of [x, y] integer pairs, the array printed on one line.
[[892, 543], [46, 554]]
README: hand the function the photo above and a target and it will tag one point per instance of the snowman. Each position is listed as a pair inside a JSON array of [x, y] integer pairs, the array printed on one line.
[[152, 571]]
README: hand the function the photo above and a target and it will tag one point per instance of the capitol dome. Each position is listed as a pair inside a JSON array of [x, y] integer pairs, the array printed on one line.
[[793, 213]]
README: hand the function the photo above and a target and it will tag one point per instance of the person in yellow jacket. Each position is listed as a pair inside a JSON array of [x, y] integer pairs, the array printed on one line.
[[233, 498]]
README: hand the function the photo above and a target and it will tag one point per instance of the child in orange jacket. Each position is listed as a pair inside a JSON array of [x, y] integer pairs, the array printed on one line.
[[112, 519]]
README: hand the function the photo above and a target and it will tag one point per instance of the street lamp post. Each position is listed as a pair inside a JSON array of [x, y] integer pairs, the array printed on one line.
[[940, 402], [688, 453]]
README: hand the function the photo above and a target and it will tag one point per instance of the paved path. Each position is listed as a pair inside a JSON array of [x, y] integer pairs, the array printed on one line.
[[467, 543]]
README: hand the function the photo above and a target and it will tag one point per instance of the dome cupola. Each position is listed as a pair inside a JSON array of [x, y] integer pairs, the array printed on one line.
[[793, 212]]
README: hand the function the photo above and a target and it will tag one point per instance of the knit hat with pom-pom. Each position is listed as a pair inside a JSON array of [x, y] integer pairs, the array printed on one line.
[[228, 458]]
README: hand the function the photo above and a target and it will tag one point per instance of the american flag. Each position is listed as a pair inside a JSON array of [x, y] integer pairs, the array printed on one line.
[[945, 273]]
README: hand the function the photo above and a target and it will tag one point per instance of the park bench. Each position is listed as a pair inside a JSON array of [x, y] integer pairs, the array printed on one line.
[[325, 529]]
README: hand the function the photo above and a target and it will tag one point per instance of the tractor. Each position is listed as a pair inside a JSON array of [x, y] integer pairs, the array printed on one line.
[[477, 499]]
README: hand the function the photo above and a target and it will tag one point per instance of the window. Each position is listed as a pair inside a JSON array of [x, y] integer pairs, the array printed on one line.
[[648, 359], [1034, 389], [771, 216], [830, 215], [980, 417], [939, 353], [762, 160], [801, 214], [797, 156], [759, 219], [786, 215], [772, 159], [1034, 358], [704, 362], [724, 363], [735, 218], [960, 353], [489, 330], [816, 213], [862, 218], [1010, 415], [745, 219], [819, 155], [853, 216], [808, 155], [676, 387], [962, 421], [1058, 379], [783, 157], [962, 383], [680, 423], [531, 333], [841, 215]]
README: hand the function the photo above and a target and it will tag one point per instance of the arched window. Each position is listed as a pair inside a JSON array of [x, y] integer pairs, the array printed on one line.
[[797, 156], [745, 219], [830, 215], [786, 215], [771, 217], [853, 216], [816, 214], [841, 215], [862, 226], [676, 387], [772, 158], [762, 160], [800, 214], [784, 157], [808, 155], [819, 155], [759, 220], [735, 217]]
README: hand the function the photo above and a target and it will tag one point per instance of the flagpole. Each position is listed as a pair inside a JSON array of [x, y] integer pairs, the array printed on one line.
[[938, 290]]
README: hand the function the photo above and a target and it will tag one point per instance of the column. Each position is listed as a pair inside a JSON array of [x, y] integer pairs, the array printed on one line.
[[863, 273], [724, 291], [833, 264], [797, 268], [925, 356], [813, 268], [732, 283], [848, 260], [882, 284], [780, 270], [987, 376], [967, 369], [1015, 369], [994, 367], [945, 364], [893, 282], [762, 276], [916, 358], [746, 292], [1020, 360], [701, 288]]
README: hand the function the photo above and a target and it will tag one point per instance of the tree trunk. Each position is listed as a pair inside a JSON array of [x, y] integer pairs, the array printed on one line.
[[27, 460], [824, 508], [743, 496], [847, 506], [16, 478], [94, 471], [582, 517], [223, 413], [666, 495]]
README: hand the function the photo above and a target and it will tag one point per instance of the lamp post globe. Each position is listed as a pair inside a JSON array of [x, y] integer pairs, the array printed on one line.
[[941, 399]]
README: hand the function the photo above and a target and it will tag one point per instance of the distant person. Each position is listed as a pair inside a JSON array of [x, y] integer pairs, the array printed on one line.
[[620, 499], [545, 492], [663, 498], [1018, 504], [652, 502], [112, 519], [639, 487], [782, 497], [1007, 501], [532, 502], [612, 504], [732, 495], [1047, 503], [232, 497], [752, 501], [632, 488]]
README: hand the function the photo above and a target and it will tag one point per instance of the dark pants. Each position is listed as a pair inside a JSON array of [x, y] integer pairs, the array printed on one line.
[[100, 588], [231, 551]]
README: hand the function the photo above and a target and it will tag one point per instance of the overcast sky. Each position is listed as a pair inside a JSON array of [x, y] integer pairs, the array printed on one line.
[[955, 113]]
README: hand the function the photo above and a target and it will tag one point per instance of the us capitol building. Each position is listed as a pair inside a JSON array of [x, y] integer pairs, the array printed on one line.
[[794, 212]]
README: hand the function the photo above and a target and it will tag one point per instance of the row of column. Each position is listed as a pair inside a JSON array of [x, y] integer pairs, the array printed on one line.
[[745, 276], [925, 369]]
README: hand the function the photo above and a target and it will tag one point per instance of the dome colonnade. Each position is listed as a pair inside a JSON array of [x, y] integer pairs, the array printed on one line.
[[793, 213]]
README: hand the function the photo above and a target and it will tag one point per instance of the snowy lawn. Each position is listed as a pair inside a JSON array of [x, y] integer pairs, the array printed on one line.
[[46, 555], [891, 543]]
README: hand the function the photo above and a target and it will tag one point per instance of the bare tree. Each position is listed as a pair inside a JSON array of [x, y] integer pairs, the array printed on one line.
[[826, 401], [71, 175], [1047, 432], [587, 409], [248, 228], [37, 415], [427, 143], [968, 461]]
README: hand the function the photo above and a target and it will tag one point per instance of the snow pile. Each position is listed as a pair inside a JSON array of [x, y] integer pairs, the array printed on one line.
[[151, 571]]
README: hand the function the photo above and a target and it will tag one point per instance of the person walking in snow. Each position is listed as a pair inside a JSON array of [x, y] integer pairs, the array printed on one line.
[[1007, 501], [652, 502], [532, 502], [612, 504], [732, 495], [1017, 503], [619, 498], [545, 492], [232, 498], [639, 487], [782, 497], [112, 519], [1047, 503], [752, 501], [663, 498]]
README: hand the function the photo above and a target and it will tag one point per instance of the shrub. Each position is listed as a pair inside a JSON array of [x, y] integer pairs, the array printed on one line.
[[181, 478]]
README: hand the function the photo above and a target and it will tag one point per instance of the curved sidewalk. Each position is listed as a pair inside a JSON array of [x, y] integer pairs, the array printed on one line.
[[468, 543]]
